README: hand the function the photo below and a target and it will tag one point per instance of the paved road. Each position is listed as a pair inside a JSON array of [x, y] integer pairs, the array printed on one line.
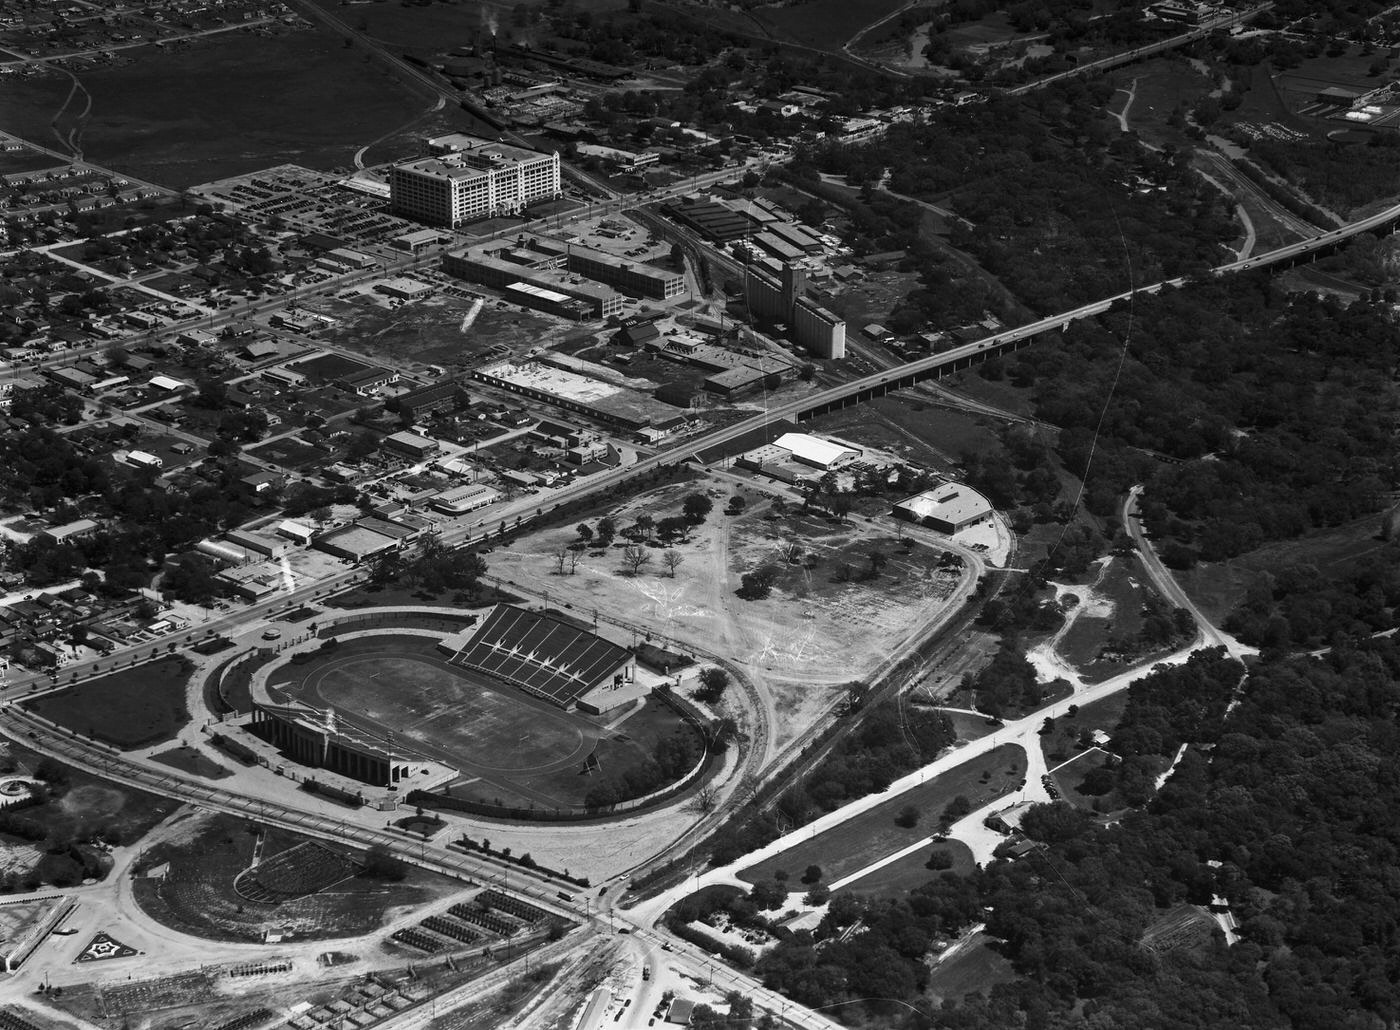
[[1166, 583]]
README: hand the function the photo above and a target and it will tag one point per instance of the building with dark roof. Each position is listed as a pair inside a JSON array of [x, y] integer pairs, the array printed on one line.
[[710, 219], [431, 399]]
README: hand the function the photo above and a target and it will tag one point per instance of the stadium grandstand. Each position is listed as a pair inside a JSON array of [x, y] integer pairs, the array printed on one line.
[[547, 656]]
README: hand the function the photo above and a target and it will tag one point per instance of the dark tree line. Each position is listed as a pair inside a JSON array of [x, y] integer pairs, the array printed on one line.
[[1284, 807]]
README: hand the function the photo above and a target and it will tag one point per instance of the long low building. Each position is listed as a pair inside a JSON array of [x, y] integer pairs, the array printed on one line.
[[534, 281], [462, 499], [606, 402]]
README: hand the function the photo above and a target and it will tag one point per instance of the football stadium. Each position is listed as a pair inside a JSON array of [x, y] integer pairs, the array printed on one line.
[[524, 709]]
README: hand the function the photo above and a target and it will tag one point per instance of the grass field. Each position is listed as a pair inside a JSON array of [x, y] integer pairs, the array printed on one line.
[[1217, 588], [373, 595], [974, 969], [129, 709], [1070, 775], [913, 427], [912, 871], [856, 843], [26, 160], [1115, 610], [231, 104], [197, 896], [187, 759], [825, 24], [969, 727], [1061, 743], [511, 748]]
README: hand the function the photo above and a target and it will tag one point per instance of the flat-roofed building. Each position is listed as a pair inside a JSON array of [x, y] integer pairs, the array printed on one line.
[[947, 508], [71, 531], [355, 543], [535, 284], [431, 399], [462, 499], [412, 444], [637, 278], [476, 179]]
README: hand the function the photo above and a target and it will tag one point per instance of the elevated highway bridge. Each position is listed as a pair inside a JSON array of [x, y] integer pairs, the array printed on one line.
[[904, 376]]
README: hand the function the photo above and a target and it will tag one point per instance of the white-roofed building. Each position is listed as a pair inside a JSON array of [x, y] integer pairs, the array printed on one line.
[[168, 383], [298, 531], [814, 451], [947, 508], [462, 499]]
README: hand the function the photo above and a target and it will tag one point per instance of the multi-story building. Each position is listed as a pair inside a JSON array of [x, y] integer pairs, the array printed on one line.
[[821, 331], [481, 179]]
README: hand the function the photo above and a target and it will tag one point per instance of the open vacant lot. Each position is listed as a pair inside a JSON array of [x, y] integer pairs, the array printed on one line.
[[129, 709], [868, 837], [912, 871], [827, 622], [229, 104]]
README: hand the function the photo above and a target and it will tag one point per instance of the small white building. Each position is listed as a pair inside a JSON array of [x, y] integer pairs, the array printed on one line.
[[298, 531], [462, 499], [143, 460]]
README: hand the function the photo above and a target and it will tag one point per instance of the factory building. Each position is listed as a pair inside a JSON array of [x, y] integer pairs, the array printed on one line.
[[781, 300]]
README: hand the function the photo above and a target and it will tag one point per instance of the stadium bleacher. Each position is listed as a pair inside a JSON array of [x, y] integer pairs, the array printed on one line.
[[541, 655]]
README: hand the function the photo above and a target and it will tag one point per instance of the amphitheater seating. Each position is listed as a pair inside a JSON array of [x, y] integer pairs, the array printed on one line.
[[511, 905], [417, 939], [254, 1018], [540, 654], [491, 921], [451, 928], [10, 1021], [302, 869]]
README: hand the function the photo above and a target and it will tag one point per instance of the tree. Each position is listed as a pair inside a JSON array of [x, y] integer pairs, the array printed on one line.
[[634, 556], [841, 505], [561, 558], [696, 507], [381, 865], [812, 874], [757, 585], [672, 559], [585, 532], [939, 859], [908, 817], [191, 580], [644, 525], [607, 529], [768, 894], [713, 683]]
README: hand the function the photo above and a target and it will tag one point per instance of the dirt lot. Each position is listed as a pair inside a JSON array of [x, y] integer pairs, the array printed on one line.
[[816, 633], [441, 330]]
